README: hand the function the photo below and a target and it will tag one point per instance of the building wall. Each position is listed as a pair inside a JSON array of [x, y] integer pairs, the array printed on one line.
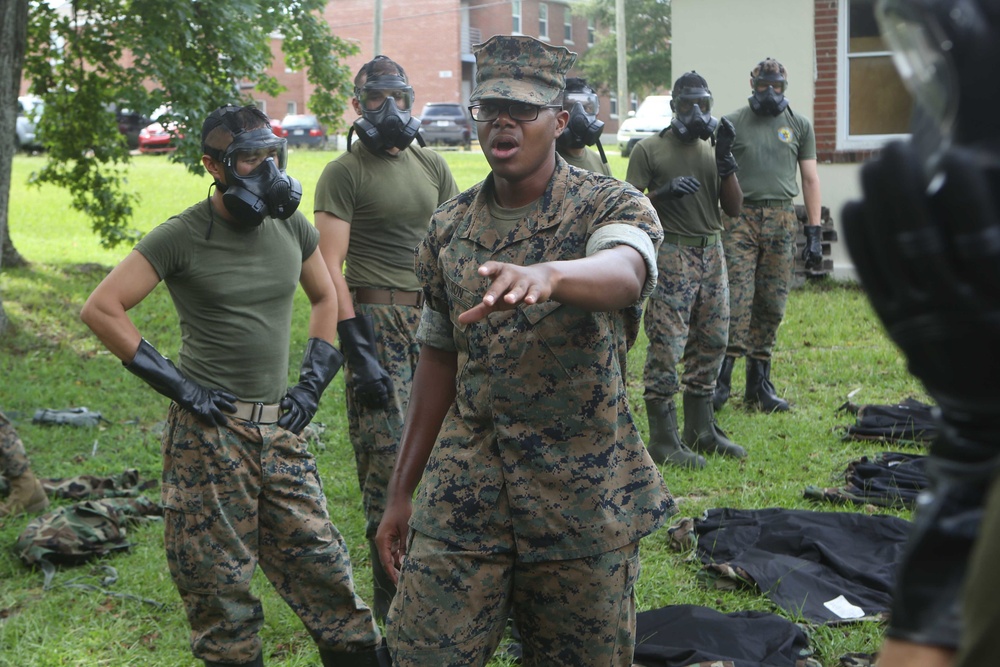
[[802, 35]]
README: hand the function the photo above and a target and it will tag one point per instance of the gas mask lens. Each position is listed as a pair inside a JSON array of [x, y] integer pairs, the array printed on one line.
[[921, 55], [378, 89], [588, 101], [775, 82], [252, 148], [685, 105]]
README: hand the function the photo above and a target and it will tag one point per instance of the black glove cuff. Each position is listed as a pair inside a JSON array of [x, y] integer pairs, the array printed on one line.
[[727, 166]]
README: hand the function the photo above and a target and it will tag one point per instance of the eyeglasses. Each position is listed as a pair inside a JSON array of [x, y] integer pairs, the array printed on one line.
[[489, 112]]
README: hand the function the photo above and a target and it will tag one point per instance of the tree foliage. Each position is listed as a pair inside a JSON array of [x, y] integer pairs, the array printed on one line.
[[86, 58], [647, 24]]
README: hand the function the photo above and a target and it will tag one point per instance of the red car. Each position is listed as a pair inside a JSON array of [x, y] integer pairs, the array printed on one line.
[[155, 138]]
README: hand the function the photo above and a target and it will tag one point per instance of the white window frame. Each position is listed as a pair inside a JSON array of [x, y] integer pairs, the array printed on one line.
[[291, 108], [591, 29], [845, 140], [515, 9], [613, 105], [543, 20], [567, 25]]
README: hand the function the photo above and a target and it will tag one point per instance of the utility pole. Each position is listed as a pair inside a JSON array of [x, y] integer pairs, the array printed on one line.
[[378, 29], [623, 100]]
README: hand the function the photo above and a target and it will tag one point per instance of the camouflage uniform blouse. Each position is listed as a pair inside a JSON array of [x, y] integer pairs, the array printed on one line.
[[538, 454]]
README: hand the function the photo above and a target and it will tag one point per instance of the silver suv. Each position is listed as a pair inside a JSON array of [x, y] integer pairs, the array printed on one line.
[[446, 123]]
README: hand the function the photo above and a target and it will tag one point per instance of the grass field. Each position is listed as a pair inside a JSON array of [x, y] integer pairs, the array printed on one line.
[[829, 345]]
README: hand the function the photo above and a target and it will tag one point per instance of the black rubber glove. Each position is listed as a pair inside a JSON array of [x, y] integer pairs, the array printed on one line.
[[208, 405], [678, 187], [319, 365], [724, 138], [930, 263], [371, 385], [813, 252]]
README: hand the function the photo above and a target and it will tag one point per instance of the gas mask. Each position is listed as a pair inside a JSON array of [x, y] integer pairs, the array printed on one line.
[[386, 103], [266, 191], [945, 52], [693, 117], [583, 128], [770, 102]]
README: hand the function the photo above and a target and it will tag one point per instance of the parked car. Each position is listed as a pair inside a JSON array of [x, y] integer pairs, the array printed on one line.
[[29, 111], [650, 118], [446, 123], [276, 127], [303, 130], [159, 136]]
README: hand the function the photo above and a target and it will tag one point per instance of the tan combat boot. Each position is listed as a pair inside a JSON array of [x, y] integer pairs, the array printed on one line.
[[26, 496]]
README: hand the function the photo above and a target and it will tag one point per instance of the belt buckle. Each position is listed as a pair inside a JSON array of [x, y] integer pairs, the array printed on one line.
[[256, 412]]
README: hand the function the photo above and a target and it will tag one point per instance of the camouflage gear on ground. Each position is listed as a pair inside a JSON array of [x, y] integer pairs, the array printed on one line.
[[521, 69], [126, 484], [688, 313], [760, 247], [67, 416], [569, 612], [76, 533], [241, 495], [375, 434], [13, 459]]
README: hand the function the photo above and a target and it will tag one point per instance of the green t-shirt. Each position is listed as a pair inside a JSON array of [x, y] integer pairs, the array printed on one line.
[[768, 150], [233, 294], [388, 201], [658, 159], [589, 160]]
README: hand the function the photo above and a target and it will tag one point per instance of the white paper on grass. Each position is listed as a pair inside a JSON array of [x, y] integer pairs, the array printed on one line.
[[844, 609]]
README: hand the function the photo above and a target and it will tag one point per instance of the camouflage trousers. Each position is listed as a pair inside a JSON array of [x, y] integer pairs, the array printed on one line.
[[375, 433], [452, 607], [245, 494], [13, 459], [687, 314], [760, 247]]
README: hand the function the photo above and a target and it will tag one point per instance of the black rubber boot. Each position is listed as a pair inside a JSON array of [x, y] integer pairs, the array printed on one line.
[[701, 433], [724, 383], [375, 657], [665, 444], [760, 393], [383, 590], [256, 662]]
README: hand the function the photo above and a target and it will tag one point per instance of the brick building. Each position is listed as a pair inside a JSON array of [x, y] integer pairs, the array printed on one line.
[[433, 42]]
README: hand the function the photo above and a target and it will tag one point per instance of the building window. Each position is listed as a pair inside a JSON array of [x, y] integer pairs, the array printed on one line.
[[291, 108], [873, 106], [543, 20], [613, 105], [567, 25], [515, 26], [590, 32]]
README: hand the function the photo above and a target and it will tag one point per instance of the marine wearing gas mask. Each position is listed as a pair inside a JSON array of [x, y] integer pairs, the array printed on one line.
[[691, 102], [769, 84], [386, 103], [266, 191], [583, 128]]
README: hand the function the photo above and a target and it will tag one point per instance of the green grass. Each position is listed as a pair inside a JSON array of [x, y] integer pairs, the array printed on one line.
[[829, 345]]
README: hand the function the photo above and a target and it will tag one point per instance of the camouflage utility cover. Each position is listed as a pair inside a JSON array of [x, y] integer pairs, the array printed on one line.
[[521, 69], [76, 533]]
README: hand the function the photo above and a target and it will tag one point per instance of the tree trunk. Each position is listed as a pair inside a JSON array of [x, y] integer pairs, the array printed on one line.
[[13, 36]]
